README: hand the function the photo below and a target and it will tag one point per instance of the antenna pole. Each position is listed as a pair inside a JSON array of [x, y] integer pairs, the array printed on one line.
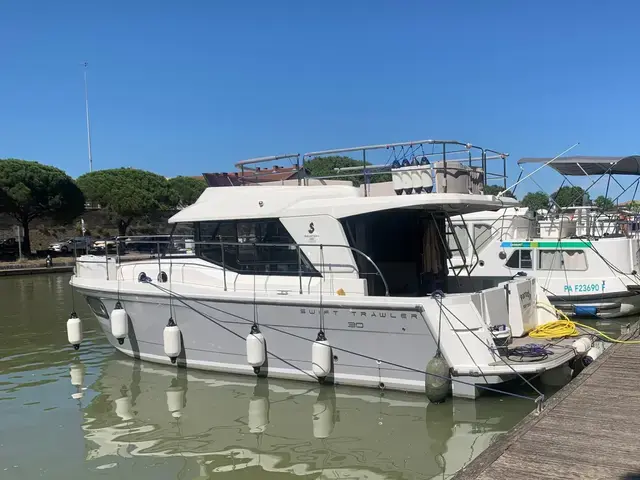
[[86, 107]]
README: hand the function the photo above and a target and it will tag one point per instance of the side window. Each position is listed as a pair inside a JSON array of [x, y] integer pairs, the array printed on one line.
[[481, 235], [514, 260], [575, 260], [252, 246], [216, 233], [97, 307], [520, 259]]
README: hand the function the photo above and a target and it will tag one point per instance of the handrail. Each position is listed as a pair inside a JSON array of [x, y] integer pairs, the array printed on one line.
[[458, 149], [444, 154], [293, 246], [270, 158]]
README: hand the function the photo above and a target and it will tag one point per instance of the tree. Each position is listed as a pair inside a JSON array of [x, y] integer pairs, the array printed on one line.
[[570, 197], [128, 193], [535, 201], [604, 203], [634, 206], [325, 166], [30, 190], [188, 189], [495, 190]]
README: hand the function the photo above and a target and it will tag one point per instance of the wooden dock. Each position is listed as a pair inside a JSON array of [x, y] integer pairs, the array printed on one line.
[[589, 430]]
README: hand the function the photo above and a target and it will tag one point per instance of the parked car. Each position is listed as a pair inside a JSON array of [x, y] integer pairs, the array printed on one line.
[[71, 244], [9, 248], [150, 244], [108, 244]]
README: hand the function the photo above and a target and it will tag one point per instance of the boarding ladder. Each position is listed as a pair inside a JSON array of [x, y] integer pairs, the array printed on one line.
[[450, 232]]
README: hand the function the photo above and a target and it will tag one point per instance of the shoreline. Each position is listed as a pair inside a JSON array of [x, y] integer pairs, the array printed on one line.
[[37, 266], [6, 271]]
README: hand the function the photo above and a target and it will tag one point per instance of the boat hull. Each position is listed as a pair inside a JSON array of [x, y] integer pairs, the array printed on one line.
[[612, 305], [368, 349], [376, 342]]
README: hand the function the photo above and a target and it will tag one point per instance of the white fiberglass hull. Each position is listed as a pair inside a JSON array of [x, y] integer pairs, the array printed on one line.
[[377, 342], [616, 305], [616, 301], [213, 335], [382, 348]]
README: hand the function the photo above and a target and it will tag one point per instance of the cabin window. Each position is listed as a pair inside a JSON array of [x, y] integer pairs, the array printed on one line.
[[521, 259], [481, 235], [575, 260], [251, 246], [97, 307]]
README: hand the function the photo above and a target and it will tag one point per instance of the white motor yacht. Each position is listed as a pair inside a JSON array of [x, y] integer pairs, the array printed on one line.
[[315, 279]]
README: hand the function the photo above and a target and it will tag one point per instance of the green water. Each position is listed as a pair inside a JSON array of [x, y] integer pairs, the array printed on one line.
[[132, 420]]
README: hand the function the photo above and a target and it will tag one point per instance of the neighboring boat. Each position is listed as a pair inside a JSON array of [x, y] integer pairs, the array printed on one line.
[[317, 280], [586, 261]]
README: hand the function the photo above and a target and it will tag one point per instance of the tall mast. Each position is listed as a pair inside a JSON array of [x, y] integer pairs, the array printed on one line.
[[86, 107]]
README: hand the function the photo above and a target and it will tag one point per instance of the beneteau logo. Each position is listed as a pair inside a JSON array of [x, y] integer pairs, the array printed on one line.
[[311, 237]]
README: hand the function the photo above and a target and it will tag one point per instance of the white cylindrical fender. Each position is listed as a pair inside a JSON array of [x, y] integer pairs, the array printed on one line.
[[416, 178], [258, 414], [74, 331], [425, 174], [119, 323], [396, 177], [175, 401], [593, 353], [123, 408], [323, 419], [171, 336], [582, 345], [321, 357], [256, 348], [407, 184]]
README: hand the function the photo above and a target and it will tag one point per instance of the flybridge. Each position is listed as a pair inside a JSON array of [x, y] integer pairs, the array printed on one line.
[[404, 168]]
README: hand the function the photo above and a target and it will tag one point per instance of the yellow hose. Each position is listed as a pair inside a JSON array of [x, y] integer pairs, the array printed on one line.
[[555, 329], [567, 328]]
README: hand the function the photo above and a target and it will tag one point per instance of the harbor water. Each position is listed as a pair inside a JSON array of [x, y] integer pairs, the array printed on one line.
[[95, 413]]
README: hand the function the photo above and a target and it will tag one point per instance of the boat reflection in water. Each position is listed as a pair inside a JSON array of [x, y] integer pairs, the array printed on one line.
[[276, 429]]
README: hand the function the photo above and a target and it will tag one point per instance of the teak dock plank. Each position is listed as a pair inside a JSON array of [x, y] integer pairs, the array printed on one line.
[[589, 430]]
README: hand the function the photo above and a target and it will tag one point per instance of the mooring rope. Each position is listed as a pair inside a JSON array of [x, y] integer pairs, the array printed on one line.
[[182, 299]]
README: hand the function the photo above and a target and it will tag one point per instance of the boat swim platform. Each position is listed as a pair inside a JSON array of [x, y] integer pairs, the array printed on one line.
[[588, 430]]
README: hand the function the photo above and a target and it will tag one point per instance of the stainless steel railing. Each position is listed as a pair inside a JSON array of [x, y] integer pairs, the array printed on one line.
[[168, 247]]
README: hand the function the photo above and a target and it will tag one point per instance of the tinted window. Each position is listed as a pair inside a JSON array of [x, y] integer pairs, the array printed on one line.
[[97, 307], [252, 246], [514, 260], [520, 259], [562, 260]]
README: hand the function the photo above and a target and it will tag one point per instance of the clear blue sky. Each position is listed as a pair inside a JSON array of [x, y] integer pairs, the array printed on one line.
[[185, 87]]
